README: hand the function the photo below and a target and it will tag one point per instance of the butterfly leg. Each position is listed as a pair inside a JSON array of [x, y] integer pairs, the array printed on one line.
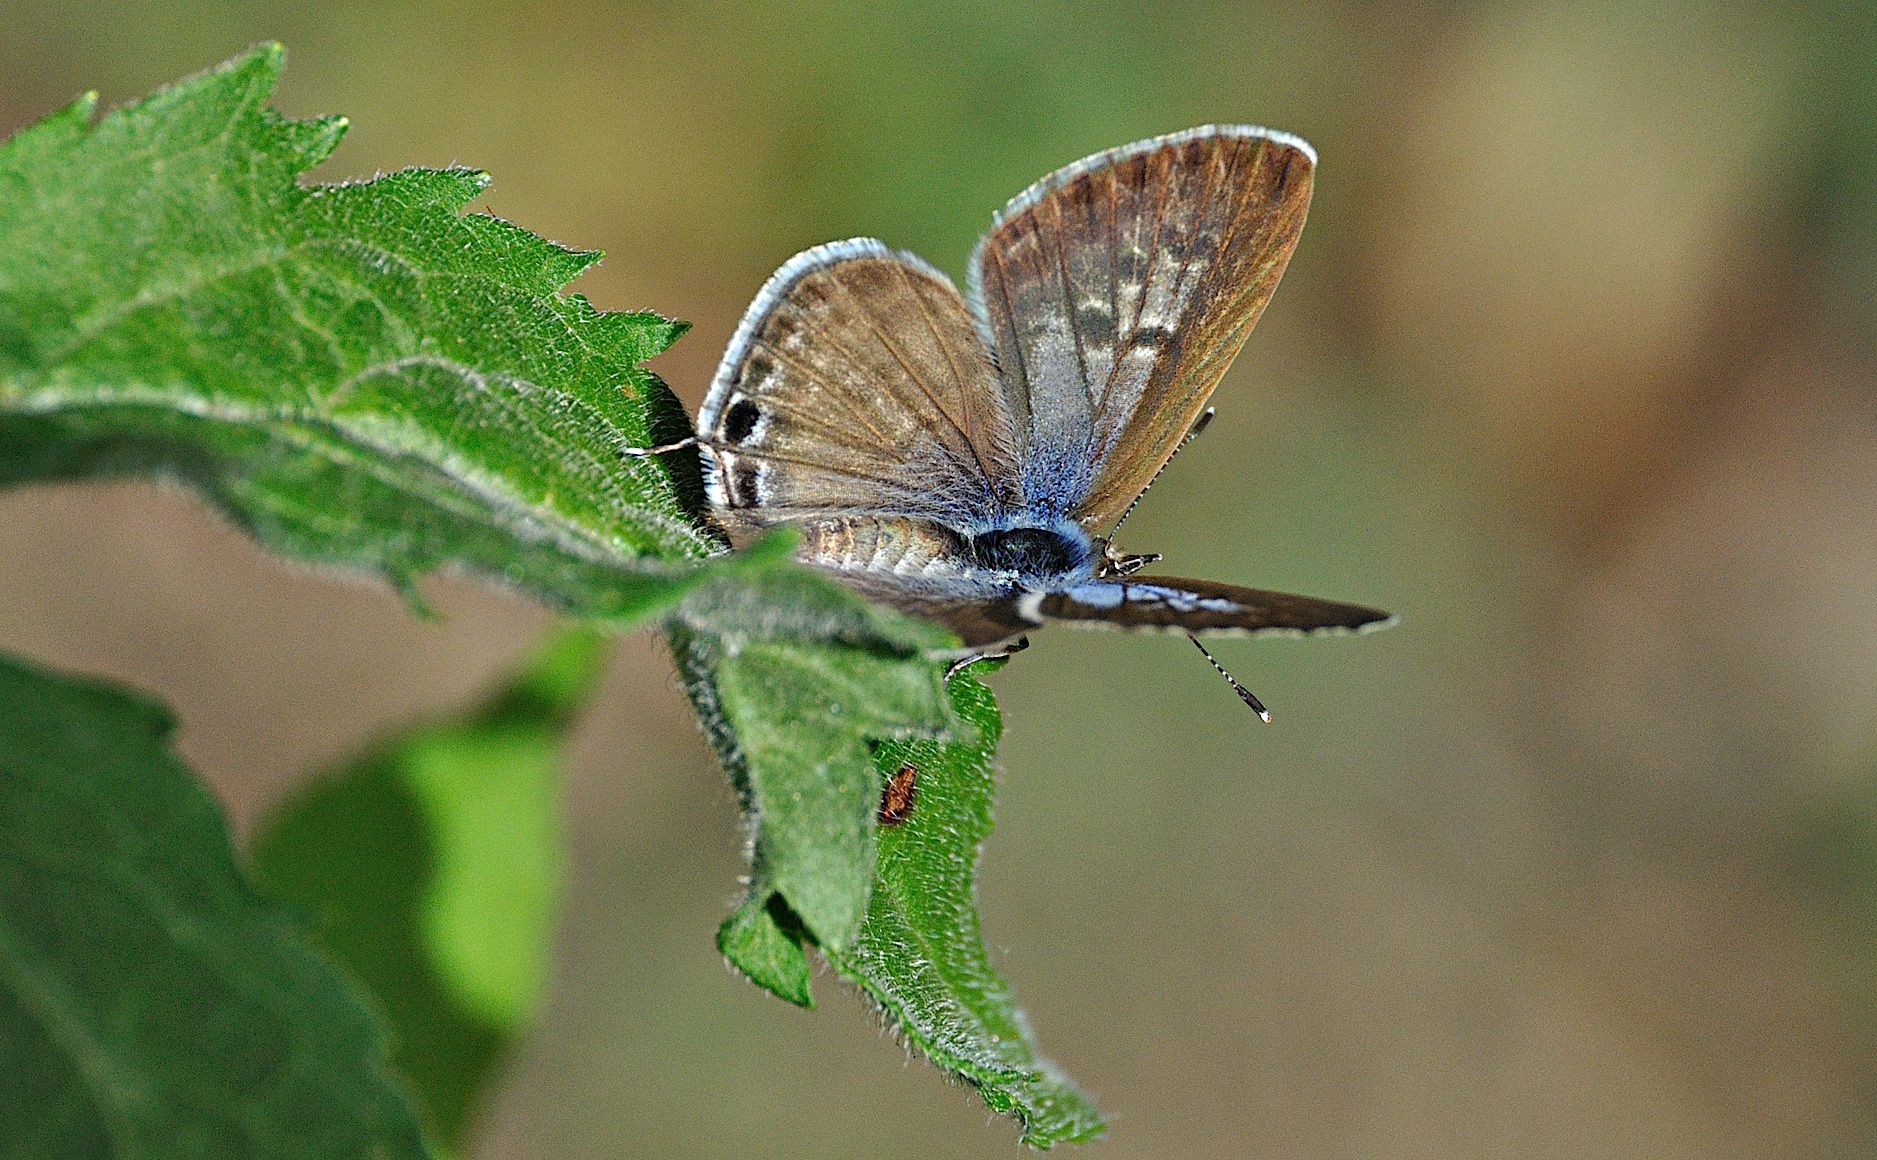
[[1115, 565], [963, 663]]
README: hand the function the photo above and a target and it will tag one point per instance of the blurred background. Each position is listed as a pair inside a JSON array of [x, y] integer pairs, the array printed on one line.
[[1574, 370]]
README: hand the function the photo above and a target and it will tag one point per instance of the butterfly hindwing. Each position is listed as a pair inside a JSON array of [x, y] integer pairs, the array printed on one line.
[[857, 383], [1118, 290], [1199, 608]]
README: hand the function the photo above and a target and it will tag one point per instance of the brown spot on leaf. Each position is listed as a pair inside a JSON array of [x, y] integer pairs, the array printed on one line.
[[896, 801]]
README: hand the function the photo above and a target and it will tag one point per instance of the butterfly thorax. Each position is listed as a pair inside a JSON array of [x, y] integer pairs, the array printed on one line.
[[1021, 556], [1034, 553]]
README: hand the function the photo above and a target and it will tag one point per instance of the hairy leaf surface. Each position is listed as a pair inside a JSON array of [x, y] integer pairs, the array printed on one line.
[[360, 374], [920, 954], [796, 680]]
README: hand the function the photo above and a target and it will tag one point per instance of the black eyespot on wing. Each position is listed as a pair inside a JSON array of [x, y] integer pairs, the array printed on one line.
[[743, 491], [740, 421]]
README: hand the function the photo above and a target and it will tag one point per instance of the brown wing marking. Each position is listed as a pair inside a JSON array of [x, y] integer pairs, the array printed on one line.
[[1118, 290], [966, 426]]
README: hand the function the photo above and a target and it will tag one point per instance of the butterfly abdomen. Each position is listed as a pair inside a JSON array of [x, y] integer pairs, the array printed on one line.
[[876, 544]]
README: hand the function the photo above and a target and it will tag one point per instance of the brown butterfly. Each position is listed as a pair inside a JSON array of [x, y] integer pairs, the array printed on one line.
[[968, 458]]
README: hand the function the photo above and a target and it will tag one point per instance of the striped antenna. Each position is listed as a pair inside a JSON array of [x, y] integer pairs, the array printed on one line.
[[1244, 694], [1195, 431]]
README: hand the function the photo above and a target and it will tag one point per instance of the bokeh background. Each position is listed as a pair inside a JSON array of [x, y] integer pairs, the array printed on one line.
[[1574, 370]]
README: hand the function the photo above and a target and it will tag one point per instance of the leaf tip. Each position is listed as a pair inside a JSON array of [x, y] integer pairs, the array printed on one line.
[[317, 137], [68, 122], [265, 60], [404, 582], [762, 941], [583, 260]]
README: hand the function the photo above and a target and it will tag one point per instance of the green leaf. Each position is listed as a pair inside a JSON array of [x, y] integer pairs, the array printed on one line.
[[804, 715], [360, 374], [795, 680], [763, 938], [811, 778], [920, 954], [434, 863], [151, 1003]]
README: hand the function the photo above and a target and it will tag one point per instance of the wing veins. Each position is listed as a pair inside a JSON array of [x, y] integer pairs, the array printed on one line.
[[910, 373], [1215, 171], [1068, 296], [1231, 337], [964, 391], [830, 432], [759, 453], [1114, 287], [833, 390], [1016, 345], [1153, 252], [1216, 271]]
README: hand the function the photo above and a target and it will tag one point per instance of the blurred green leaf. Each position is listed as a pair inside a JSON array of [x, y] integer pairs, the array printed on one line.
[[434, 864], [359, 374], [151, 1004], [920, 954], [1838, 204]]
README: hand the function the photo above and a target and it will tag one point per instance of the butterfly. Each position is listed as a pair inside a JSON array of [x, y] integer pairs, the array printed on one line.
[[968, 458]]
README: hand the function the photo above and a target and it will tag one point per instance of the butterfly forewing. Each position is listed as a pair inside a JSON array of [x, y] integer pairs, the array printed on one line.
[[1200, 607], [857, 383], [1117, 291]]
